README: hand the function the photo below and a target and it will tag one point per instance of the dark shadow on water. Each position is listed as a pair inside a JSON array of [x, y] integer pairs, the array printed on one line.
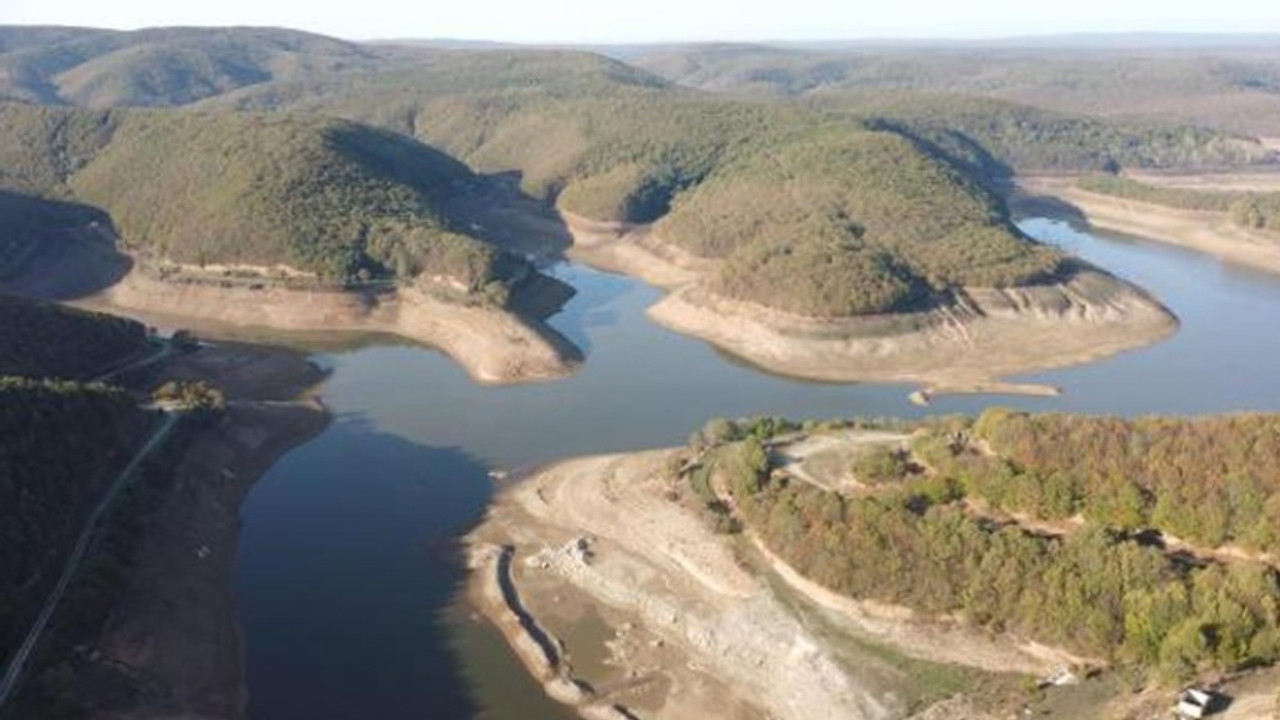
[[349, 568], [591, 307], [1025, 207]]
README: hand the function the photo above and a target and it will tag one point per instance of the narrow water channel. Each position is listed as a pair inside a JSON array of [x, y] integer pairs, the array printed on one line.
[[348, 575]]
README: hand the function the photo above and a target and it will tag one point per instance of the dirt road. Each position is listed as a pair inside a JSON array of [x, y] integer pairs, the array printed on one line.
[[14, 669]]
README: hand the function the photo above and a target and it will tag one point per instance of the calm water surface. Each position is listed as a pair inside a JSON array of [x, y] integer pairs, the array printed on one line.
[[348, 579]]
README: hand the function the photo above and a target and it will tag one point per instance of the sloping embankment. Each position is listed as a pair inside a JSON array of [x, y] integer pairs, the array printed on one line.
[[493, 345], [716, 638], [986, 334], [1208, 232]]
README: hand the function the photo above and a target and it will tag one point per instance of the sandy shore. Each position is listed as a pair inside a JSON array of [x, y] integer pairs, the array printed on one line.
[[1207, 232], [494, 346], [965, 348], [687, 618]]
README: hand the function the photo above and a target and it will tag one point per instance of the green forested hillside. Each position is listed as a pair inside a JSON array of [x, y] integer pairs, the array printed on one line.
[[994, 136], [1232, 88], [161, 66], [831, 205], [47, 340], [1053, 527], [870, 206], [63, 443], [866, 220], [330, 197], [42, 147]]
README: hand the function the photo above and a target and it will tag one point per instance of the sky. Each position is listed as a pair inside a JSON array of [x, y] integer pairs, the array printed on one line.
[[665, 20]]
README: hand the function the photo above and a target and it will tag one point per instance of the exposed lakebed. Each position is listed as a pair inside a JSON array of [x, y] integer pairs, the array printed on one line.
[[348, 580]]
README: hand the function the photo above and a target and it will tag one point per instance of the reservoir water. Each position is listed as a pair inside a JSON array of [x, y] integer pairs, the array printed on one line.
[[348, 577]]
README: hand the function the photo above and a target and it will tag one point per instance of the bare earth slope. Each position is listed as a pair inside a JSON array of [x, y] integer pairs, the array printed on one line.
[[1207, 232], [495, 346], [691, 631]]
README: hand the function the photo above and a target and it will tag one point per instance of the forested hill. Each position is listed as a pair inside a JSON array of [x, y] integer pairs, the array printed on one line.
[[43, 340], [867, 220], [1230, 88], [996, 137], [161, 66], [825, 212], [1152, 544], [332, 198], [61, 444], [62, 441]]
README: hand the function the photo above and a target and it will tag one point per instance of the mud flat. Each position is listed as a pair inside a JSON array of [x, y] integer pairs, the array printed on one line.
[[962, 347], [1208, 232], [690, 630], [495, 346]]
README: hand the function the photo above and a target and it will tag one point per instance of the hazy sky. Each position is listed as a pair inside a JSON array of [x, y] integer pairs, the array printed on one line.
[[647, 20]]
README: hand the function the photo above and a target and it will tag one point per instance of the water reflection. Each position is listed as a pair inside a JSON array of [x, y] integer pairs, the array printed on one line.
[[349, 570]]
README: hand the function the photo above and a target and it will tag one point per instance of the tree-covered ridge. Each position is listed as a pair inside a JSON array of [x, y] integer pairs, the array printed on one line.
[[996, 137], [826, 214], [62, 444], [1048, 527], [809, 212], [44, 146], [161, 66], [867, 220], [47, 340], [339, 200], [1224, 87], [1250, 210]]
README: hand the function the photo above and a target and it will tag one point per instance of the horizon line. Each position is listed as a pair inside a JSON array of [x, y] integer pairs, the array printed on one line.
[[1031, 36]]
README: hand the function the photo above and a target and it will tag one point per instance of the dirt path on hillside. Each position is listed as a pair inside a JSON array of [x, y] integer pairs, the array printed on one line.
[[171, 646], [826, 460]]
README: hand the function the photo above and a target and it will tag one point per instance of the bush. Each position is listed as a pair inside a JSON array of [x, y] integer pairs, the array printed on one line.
[[882, 464], [195, 396]]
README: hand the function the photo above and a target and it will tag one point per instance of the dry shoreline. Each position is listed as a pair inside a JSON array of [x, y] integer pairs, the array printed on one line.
[[987, 335], [1208, 232], [686, 615], [707, 625], [700, 634], [494, 346]]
